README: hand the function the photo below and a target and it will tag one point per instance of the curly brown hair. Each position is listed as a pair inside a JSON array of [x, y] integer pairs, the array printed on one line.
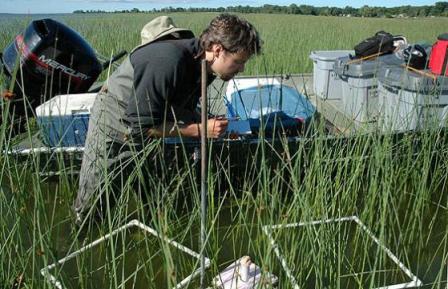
[[233, 33]]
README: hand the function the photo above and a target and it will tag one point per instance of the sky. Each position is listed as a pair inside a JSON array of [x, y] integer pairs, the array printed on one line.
[[68, 6]]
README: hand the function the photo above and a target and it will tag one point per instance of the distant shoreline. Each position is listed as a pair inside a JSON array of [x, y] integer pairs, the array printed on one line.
[[438, 9]]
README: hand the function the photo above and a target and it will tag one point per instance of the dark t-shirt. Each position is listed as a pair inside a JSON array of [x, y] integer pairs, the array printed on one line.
[[167, 79]]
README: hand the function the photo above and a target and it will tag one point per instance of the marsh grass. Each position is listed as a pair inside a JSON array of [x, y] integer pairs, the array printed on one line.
[[395, 183]]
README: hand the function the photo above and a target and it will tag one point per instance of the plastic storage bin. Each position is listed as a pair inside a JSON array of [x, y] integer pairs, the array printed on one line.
[[410, 100], [64, 119], [359, 85], [326, 84]]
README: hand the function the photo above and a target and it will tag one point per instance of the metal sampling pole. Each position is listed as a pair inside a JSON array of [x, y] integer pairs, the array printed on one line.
[[204, 167]]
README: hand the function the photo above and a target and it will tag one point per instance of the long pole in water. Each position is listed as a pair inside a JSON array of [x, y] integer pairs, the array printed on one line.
[[204, 167]]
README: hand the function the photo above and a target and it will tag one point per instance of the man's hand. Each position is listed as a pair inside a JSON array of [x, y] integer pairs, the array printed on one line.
[[216, 127]]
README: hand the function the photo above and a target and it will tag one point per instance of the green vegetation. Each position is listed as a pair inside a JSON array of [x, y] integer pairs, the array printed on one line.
[[397, 185], [288, 39]]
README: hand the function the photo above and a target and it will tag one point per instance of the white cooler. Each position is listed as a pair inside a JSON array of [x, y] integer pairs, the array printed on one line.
[[64, 119]]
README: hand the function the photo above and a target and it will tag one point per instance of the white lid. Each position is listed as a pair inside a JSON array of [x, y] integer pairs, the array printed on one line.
[[67, 104], [329, 55], [245, 83]]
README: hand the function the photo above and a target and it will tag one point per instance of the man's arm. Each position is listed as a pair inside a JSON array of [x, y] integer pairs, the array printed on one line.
[[215, 128]]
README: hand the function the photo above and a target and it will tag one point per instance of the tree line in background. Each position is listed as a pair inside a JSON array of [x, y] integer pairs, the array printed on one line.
[[438, 9]]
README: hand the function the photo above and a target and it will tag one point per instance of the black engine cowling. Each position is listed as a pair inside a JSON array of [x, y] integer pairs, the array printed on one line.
[[47, 59]]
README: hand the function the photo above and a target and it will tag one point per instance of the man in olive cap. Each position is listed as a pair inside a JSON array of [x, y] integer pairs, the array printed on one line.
[[154, 94]]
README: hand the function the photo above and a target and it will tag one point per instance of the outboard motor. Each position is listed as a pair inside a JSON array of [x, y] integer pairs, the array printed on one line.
[[47, 59]]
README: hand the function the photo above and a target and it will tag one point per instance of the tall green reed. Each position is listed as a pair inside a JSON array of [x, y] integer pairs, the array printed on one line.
[[396, 184]]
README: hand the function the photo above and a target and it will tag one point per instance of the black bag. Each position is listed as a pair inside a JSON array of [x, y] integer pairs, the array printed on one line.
[[382, 42], [415, 56]]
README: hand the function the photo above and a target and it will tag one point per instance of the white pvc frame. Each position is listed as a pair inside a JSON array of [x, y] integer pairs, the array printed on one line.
[[44, 149], [267, 229], [134, 223]]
